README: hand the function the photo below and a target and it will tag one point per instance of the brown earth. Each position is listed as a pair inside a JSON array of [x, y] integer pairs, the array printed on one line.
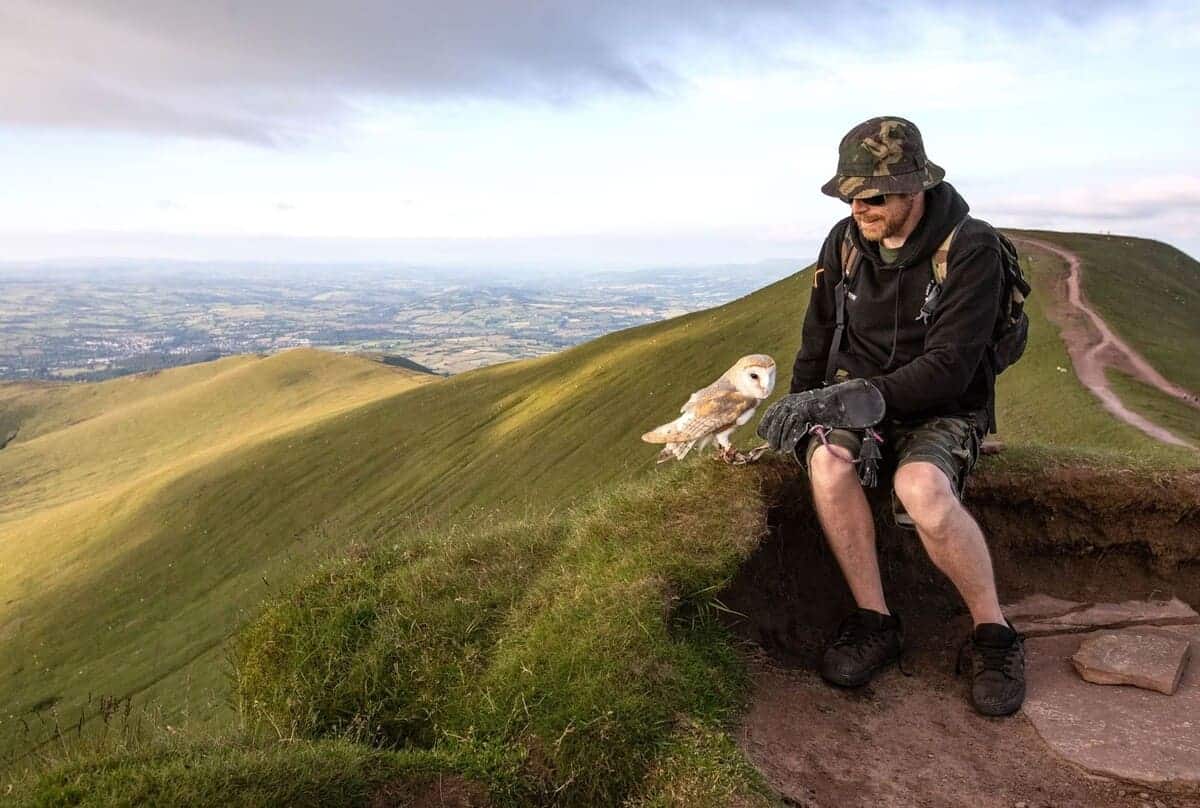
[[914, 740], [1094, 348]]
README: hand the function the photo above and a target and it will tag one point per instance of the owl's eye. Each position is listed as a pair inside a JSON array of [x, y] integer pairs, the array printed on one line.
[[754, 376]]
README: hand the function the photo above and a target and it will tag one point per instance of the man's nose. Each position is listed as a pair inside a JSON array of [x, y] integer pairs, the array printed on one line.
[[858, 206]]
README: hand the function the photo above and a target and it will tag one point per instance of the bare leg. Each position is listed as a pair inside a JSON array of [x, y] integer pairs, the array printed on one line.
[[849, 526], [951, 537]]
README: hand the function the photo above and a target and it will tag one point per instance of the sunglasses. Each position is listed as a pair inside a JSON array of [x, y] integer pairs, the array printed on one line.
[[872, 201]]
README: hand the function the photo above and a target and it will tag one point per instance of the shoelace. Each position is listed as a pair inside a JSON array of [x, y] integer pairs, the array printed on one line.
[[855, 632], [994, 659]]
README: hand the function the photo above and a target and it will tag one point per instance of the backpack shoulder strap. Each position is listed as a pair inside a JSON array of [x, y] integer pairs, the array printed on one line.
[[849, 253], [849, 260], [941, 256]]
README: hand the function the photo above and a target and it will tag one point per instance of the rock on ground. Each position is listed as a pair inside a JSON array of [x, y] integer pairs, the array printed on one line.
[[1123, 732], [1152, 659], [1040, 615]]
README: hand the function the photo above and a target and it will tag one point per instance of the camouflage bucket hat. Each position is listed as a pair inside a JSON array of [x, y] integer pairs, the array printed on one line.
[[882, 156]]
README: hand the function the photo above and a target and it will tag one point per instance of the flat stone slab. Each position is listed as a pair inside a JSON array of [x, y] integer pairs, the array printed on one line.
[[1153, 659], [1039, 606], [1040, 615], [1123, 732]]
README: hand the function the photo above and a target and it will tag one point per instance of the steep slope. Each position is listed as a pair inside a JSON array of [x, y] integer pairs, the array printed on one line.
[[89, 461], [134, 591]]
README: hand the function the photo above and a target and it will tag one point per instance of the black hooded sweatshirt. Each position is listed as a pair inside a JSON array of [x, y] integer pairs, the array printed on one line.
[[923, 370]]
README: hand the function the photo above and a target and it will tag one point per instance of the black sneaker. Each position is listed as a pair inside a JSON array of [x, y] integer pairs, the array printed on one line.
[[997, 669], [867, 641]]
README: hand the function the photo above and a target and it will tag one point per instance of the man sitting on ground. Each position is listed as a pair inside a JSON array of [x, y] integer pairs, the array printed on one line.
[[904, 359]]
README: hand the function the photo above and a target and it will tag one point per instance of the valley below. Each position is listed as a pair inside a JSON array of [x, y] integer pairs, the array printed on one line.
[[87, 323]]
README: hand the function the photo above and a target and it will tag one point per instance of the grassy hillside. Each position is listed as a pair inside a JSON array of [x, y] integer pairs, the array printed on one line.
[[146, 520], [573, 658], [97, 595], [1167, 411], [1041, 404], [1149, 294]]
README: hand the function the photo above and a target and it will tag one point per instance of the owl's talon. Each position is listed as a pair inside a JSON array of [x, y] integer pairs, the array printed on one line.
[[732, 457], [752, 456], [758, 451]]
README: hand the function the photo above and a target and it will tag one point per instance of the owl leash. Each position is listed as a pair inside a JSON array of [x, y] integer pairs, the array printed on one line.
[[868, 455], [856, 404]]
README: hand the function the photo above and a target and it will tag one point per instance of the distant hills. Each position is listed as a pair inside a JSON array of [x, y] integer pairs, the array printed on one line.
[[98, 322]]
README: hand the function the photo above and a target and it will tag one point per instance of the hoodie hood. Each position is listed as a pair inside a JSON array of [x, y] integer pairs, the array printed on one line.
[[944, 209]]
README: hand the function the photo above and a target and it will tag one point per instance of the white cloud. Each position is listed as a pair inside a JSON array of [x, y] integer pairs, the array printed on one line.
[[1130, 202], [275, 71]]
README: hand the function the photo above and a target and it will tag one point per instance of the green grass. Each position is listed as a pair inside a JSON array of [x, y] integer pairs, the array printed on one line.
[[575, 659], [472, 609], [1042, 408], [555, 637], [1148, 293], [100, 593], [234, 772], [1179, 418]]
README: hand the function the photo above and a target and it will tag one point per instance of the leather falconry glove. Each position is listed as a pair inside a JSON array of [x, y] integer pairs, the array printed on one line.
[[855, 404]]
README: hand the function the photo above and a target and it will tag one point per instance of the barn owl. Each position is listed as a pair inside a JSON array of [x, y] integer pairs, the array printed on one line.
[[715, 411]]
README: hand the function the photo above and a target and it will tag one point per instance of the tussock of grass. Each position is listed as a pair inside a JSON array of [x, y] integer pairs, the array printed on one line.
[[700, 767], [588, 647], [379, 649]]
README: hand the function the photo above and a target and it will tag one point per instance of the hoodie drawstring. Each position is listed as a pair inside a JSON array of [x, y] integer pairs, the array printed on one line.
[[895, 317]]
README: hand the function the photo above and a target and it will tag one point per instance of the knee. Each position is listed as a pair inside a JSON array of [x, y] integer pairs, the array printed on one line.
[[926, 494], [832, 467]]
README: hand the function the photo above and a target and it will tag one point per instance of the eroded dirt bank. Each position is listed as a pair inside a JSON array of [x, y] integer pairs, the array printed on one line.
[[914, 740]]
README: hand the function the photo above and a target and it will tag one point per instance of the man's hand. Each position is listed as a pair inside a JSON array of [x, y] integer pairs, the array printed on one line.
[[856, 404]]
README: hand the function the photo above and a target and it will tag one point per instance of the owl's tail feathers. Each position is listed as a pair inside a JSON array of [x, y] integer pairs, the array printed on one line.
[[670, 435], [675, 450], [660, 434]]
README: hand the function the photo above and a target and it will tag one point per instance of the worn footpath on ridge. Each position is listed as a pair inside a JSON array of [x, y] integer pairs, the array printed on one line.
[[1092, 355]]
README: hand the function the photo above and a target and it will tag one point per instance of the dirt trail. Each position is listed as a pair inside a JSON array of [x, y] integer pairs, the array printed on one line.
[[1092, 359]]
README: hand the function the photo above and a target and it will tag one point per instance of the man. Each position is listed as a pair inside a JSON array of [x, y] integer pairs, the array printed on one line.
[[905, 379]]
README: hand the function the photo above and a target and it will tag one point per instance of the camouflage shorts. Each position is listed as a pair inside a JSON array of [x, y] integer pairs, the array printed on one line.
[[949, 442]]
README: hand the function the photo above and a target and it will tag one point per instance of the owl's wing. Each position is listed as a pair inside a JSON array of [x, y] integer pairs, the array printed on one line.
[[711, 410], [687, 405]]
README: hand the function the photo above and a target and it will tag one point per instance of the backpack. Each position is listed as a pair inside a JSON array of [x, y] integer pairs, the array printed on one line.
[[1011, 332]]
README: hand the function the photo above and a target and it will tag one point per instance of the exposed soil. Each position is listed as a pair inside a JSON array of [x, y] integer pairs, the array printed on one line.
[[1094, 348], [914, 740]]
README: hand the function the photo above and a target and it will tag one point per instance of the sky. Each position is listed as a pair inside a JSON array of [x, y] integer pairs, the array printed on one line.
[[569, 134]]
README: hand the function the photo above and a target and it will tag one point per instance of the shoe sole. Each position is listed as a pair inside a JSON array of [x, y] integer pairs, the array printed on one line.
[[998, 712]]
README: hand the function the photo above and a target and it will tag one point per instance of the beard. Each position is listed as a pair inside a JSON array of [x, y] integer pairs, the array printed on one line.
[[884, 221]]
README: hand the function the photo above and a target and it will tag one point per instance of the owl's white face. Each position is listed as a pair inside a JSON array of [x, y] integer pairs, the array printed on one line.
[[755, 381]]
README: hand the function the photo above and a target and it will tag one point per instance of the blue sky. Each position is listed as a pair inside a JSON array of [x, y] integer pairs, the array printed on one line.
[[570, 134]]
